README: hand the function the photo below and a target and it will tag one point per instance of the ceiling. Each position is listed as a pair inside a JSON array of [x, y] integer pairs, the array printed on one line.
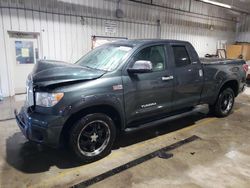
[[240, 5]]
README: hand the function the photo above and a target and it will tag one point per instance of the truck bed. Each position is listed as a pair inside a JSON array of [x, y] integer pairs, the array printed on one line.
[[221, 61]]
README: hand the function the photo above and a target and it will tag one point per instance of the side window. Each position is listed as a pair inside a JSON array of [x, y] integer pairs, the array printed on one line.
[[155, 54], [181, 56]]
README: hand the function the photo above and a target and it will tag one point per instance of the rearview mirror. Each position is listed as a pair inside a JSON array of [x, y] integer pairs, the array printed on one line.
[[141, 66]]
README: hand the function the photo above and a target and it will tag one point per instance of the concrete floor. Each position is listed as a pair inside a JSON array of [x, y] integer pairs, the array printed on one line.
[[8, 105], [221, 158]]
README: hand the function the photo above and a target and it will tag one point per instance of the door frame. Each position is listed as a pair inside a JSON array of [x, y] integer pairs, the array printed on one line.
[[11, 53]]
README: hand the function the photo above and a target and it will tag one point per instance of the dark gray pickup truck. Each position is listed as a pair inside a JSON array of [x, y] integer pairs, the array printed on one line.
[[123, 86]]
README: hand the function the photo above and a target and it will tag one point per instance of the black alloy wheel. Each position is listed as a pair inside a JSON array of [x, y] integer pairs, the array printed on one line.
[[224, 103], [92, 137]]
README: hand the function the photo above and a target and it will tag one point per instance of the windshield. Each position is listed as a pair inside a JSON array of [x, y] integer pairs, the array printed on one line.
[[106, 57]]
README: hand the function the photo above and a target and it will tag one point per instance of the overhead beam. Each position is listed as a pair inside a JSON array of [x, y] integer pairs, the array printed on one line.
[[181, 10]]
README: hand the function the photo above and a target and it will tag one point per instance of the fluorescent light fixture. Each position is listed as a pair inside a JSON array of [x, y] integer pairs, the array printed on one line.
[[217, 3]]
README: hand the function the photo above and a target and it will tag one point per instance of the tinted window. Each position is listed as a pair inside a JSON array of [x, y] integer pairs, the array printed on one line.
[[181, 56], [155, 54]]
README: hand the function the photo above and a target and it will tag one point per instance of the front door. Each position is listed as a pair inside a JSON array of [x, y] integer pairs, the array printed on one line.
[[148, 95], [24, 57]]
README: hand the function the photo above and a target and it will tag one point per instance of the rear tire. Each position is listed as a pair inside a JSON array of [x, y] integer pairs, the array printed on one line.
[[224, 103], [92, 137]]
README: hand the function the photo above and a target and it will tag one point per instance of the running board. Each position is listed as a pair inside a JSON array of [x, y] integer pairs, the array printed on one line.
[[167, 119]]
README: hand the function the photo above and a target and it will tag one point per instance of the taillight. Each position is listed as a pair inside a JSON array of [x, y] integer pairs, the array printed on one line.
[[245, 67]]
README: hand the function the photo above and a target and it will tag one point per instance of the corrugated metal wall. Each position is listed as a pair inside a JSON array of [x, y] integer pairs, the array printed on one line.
[[243, 29], [196, 29], [60, 30], [65, 37]]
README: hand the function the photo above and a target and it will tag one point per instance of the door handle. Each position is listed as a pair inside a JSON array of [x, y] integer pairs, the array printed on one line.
[[164, 78]]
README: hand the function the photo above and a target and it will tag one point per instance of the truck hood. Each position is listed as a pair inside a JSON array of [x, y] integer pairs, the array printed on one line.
[[48, 72]]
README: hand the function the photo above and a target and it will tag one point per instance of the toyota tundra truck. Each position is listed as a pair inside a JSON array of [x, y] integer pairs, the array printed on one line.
[[123, 86]]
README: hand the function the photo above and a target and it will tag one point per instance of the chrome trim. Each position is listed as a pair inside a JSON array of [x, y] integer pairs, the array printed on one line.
[[29, 92], [167, 78], [104, 144]]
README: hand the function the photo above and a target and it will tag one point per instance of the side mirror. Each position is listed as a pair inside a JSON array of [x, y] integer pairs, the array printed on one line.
[[141, 66]]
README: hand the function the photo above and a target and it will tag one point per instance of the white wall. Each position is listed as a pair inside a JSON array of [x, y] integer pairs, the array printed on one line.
[[64, 37]]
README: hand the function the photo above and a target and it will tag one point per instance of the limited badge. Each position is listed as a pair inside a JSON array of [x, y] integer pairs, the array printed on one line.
[[117, 87]]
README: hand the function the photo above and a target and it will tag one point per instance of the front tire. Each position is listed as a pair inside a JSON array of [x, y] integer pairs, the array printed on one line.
[[92, 137], [224, 103]]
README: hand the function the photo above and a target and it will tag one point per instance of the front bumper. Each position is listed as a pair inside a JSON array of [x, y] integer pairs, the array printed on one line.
[[40, 128]]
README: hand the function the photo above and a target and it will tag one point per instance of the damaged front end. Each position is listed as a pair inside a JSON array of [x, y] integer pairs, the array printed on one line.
[[39, 119]]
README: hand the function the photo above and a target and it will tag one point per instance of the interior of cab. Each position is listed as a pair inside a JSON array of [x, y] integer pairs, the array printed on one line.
[[154, 54]]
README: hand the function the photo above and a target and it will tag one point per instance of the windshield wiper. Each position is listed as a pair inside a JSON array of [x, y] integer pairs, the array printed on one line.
[[94, 68], [88, 67]]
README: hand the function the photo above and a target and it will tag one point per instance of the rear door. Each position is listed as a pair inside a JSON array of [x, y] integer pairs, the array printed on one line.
[[148, 95], [188, 76]]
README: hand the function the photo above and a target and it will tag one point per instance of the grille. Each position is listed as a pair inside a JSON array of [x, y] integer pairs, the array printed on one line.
[[29, 92]]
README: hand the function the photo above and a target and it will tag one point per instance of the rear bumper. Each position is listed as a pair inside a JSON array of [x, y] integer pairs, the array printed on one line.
[[40, 128], [242, 89], [248, 76]]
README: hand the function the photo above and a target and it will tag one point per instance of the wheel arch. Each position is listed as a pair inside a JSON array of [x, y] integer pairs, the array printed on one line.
[[109, 110], [233, 84]]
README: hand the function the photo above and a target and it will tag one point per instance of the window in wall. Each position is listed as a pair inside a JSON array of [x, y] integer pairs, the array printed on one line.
[[24, 52], [181, 56]]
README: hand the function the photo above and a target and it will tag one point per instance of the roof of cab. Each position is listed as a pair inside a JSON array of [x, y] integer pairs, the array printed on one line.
[[136, 42]]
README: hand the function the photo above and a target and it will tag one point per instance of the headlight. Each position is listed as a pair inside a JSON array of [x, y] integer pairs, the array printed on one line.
[[48, 99]]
